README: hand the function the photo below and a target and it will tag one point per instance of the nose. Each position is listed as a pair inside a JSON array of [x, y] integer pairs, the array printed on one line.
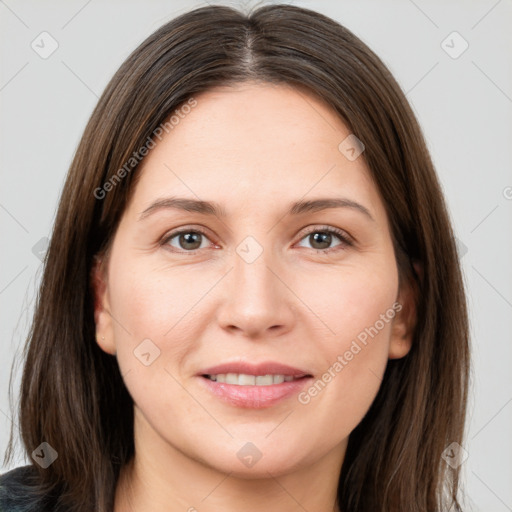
[[256, 301]]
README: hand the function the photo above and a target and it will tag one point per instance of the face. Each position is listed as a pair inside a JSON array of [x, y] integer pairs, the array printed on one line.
[[258, 281]]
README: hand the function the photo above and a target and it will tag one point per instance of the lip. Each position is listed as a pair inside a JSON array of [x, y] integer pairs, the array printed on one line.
[[254, 397], [263, 368]]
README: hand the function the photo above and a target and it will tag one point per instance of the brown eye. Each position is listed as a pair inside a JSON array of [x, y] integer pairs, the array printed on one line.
[[186, 240], [322, 239]]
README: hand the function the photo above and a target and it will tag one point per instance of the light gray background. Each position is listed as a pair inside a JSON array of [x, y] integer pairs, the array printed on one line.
[[464, 106]]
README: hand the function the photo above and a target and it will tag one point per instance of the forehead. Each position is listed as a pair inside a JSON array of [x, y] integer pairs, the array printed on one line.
[[255, 141], [258, 120]]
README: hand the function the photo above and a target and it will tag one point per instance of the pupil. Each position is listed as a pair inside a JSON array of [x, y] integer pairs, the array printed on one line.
[[321, 238], [190, 238]]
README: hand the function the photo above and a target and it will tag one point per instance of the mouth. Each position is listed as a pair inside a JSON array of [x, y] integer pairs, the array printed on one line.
[[245, 371], [254, 386], [244, 379]]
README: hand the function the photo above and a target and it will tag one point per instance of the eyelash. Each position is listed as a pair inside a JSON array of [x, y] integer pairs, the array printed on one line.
[[341, 235]]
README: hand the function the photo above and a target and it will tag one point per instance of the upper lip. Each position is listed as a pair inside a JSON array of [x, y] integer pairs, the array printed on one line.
[[263, 368]]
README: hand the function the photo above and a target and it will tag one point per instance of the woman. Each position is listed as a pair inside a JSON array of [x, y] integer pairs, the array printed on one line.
[[252, 297]]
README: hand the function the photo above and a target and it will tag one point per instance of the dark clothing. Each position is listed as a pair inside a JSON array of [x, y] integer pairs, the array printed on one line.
[[19, 492]]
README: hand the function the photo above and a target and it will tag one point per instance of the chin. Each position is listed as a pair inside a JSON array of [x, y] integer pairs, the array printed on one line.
[[250, 462]]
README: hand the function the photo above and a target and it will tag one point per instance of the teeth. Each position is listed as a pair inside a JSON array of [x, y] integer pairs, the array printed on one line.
[[242, 379], [263, 380]]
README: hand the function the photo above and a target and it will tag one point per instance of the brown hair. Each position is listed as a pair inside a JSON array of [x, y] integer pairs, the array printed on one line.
[[394, 456]]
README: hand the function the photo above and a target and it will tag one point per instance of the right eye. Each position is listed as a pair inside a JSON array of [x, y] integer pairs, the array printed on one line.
[[186, 240]]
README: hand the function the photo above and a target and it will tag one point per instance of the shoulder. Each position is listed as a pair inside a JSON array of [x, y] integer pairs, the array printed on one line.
[[19, 491]]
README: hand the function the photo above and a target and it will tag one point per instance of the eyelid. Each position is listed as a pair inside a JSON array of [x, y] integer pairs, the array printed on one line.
[[325, 227]]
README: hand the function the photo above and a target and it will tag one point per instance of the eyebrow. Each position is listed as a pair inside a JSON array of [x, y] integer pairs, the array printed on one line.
[[211, 208]]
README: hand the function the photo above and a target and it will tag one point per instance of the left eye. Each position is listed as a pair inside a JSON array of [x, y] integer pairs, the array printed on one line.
[[322, 239]]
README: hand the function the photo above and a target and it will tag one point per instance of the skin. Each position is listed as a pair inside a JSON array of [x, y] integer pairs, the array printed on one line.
[[254, 149]]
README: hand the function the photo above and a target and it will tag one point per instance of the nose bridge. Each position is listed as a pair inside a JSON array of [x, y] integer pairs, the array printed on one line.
[[256, 299], [251, 273]]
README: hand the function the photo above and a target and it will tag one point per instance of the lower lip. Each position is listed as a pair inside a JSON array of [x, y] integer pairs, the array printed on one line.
[[255, 397]]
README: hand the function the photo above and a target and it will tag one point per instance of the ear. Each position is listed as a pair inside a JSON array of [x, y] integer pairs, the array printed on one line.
[[404, 323], [102, 316]]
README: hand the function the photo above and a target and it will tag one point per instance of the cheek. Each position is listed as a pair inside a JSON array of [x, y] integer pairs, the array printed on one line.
[[155, 299], [154, 328], [348, 300], [356, 348], [155, 304]]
